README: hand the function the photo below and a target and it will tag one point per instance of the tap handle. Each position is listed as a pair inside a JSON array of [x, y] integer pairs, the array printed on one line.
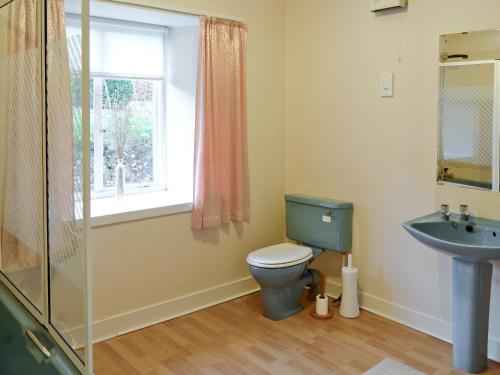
[[445, 208], [464, 209]]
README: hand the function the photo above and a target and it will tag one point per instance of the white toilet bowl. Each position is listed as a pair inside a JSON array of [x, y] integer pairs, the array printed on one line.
[[281, 271]]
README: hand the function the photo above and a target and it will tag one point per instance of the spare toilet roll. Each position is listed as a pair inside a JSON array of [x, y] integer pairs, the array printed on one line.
[[321, 305]]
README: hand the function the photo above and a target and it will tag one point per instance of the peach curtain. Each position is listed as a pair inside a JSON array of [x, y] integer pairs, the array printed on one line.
[[21, 219], [21, 199], [221, 182]]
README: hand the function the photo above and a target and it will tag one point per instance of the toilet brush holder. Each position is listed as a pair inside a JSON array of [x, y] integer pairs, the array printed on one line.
[[321, 312], [349, 305]]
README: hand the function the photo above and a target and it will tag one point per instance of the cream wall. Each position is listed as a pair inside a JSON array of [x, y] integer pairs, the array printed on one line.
[[148, 262], [344, 141]]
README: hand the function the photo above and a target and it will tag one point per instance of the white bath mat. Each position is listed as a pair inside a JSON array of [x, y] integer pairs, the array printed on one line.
[[391, 367]]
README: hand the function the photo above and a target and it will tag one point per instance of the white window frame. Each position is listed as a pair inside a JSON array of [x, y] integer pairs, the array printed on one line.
[[142, 203], [159, 135]]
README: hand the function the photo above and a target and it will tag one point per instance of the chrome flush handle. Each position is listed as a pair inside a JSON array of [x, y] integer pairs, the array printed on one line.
[[327, 216]]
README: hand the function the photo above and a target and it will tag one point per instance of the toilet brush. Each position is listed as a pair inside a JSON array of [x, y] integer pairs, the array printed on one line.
[[321, 311], [349, 305]]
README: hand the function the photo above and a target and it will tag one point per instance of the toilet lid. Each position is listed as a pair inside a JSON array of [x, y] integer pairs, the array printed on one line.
[[279, 256]]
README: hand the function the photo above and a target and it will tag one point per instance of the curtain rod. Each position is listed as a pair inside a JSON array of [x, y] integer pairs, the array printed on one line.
[[173, 9]]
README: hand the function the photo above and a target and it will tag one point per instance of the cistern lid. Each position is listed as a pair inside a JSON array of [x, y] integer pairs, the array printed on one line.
[[280, 256]]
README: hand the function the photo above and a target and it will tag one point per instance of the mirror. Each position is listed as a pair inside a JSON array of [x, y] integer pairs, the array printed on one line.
[[469, 110]]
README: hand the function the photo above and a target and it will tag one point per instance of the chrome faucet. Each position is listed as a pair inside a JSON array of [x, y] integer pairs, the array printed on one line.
[[464, 212], [445, 212]]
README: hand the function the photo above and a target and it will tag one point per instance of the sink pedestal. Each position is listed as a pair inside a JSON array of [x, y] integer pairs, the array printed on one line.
[[471, 310]]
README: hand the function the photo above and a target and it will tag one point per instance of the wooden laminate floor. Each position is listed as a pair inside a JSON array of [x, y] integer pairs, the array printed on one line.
[[234, 338]]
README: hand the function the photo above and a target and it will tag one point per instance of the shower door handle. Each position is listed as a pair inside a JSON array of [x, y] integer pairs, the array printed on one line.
[[38, 343]]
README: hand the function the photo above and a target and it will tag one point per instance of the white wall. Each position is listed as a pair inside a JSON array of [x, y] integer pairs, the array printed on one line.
[[344, 141]]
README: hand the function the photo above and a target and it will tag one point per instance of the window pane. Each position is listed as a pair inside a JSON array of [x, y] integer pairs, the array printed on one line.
[[125, 120]]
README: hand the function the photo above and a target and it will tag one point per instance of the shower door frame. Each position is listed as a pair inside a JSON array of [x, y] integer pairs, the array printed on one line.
[[85, 366], [495, 152]]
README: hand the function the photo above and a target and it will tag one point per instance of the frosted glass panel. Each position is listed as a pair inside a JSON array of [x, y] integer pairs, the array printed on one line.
[[466, 104], [21, 150], [65, 179]]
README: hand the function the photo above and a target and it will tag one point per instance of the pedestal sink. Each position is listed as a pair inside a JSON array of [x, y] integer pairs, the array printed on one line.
[[472, 243]]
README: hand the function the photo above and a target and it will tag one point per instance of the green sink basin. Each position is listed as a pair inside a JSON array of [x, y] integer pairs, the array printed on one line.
[[477, 239]]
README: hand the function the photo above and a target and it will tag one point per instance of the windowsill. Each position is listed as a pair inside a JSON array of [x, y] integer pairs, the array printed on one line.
[[107, 211]]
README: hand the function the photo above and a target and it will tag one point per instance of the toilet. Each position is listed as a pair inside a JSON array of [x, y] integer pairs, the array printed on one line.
[[282, 271]]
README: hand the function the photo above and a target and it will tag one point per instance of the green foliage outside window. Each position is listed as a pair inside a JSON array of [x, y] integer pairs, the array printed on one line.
[[128, 130]]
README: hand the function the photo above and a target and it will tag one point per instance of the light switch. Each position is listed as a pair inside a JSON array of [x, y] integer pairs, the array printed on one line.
[[386, 85]]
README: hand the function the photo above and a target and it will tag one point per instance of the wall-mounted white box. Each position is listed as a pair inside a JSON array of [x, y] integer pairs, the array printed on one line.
[[376, 5]]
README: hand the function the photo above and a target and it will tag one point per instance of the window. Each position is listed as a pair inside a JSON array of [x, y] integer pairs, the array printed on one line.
[[143, 87], [127, 107]]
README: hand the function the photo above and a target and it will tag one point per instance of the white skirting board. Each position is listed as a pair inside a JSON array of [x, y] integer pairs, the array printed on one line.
[[439, 328], [150, 315]]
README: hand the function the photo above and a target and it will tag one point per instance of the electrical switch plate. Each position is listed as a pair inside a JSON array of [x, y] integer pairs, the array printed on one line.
[[386, 85]]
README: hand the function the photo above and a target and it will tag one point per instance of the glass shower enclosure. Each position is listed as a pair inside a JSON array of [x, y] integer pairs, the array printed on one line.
[[45, 257]]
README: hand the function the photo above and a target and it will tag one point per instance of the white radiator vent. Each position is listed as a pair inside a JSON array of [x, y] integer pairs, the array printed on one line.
[[376, 5]]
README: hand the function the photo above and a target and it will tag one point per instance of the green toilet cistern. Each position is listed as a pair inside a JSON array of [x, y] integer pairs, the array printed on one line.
[[282, 271]]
